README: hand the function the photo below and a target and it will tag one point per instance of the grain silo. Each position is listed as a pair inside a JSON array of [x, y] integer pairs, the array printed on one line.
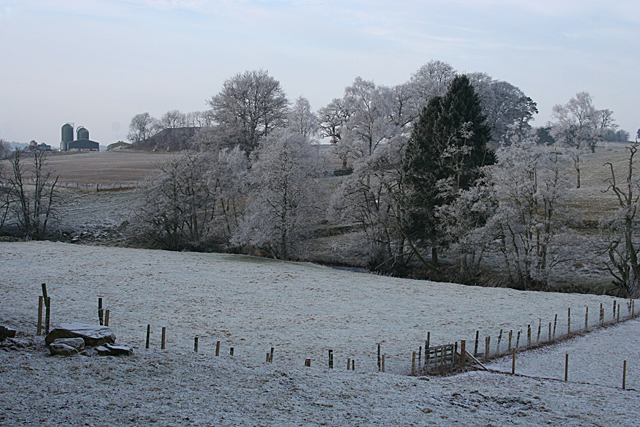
[[82, 133], [67, 137]]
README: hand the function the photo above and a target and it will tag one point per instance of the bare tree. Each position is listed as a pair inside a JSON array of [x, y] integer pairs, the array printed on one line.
[[173, 119], [179, 203], [621, 229], [142, 127], [199, 119], [34, 195], [5, 188], [250, 106]]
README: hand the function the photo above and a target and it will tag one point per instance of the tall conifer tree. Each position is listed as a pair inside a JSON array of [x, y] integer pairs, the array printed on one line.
[[447, 147]]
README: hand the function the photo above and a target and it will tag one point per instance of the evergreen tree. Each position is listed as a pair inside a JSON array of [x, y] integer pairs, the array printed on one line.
[[448, 145]]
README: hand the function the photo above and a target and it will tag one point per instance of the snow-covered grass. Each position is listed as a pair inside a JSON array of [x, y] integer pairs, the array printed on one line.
[[302, 310]]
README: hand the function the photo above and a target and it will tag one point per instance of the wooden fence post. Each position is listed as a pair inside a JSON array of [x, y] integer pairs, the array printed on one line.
[[163, 343], [518, 340], [475, 348], [231, 351], [549, 331], [383, 360], [40, 306], [413, 364], [463, 351], [47, 315], [566, 367], [528, 335], [539, 330], [513, 363], [217, 348], [555, 323], [379, 359], [195, 344], [307, 362], [586, 319], [499, 339], [624, 375], [569, 321], [148, 337], [330, 359], [487, 342], [106, 318], [271, 355], [100, 312], [510, 336]]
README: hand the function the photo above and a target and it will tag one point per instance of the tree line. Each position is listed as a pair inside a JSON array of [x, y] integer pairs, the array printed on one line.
[[435, 174], [442, 177]]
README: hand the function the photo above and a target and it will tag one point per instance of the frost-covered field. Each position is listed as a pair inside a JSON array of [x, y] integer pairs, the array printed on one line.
[[302, 310]]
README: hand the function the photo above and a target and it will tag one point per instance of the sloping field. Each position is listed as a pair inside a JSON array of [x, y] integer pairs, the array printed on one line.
[[302, 310], [105, 167]]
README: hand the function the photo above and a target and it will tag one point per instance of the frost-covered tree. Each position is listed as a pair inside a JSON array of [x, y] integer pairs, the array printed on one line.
[[462, 224], [359, 122], [621, 229], [531, 192], [302, 120], [249, 107], [4, 149], [432, 79], [371, 197], [283, 197], [230, 171], [506, 108], [578, 126], [368, 125]]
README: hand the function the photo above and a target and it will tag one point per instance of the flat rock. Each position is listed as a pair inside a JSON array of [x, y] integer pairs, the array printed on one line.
[[119, 350], [77, 343], [93, 335], [62, 350], [103, 351]]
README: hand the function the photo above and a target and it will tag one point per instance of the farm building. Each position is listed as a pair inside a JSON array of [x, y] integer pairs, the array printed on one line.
[[82, 141]]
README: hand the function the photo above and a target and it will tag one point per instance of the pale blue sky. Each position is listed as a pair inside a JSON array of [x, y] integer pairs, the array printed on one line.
[[97, 63]]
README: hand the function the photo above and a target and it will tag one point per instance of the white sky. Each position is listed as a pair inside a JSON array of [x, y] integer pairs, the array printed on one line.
[[97, 63]]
